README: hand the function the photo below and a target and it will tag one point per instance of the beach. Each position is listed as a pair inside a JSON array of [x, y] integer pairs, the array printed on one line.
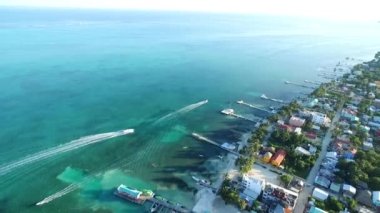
[[208, 201]]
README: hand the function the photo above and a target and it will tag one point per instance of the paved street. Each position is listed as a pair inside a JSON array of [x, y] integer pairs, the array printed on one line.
[[303, 196]]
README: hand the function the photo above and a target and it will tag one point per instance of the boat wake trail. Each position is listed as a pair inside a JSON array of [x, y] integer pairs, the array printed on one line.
[[182, 110], [75, 144], [58, 194]]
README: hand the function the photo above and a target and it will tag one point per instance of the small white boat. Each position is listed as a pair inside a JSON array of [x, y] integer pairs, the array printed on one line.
[[228, 111], [195, 178]]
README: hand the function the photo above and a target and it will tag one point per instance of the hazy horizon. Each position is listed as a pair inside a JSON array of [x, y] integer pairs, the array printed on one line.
[[337, 10]]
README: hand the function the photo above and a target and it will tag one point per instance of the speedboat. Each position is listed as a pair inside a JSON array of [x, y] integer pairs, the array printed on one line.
[[127, 131]]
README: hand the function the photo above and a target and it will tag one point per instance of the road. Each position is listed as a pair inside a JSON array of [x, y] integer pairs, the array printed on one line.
[[306, 192]]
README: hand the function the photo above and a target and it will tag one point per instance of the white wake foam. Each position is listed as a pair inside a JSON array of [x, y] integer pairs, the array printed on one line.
[[75, 144], [182, 110], [58, 194]]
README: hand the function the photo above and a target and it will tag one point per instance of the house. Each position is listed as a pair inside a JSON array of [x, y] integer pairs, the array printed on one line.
[[367, 146], [319, 194], [296, 121], [335, 187], [314, 209], [332, 155], [311, 135], [267, 156], [376, 198], [278, 157], [348, 190], [372, 85], [298, 131], [376, 103], [253, 188], [313, 103], [320, 119], [296, 185], [302, 151], [374, 125], [364, 197], [371, 95], [322, 181], [273, 194], [280, 209], [285, 127], [349, 115]]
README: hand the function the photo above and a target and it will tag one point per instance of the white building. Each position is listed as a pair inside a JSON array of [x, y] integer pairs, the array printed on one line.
[[320, 119], [348, 190], [253, 187], [376, 198], [319, 194]]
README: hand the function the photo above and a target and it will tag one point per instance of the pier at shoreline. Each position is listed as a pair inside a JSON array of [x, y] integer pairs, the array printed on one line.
[[231, 112], [254, 107], [300, 85], [202, 138]]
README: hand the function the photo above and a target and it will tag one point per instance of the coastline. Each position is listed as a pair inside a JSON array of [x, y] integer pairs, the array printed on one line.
[[206, 200]]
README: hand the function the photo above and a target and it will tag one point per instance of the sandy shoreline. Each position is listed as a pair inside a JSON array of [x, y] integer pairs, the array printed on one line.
[[206, 200]]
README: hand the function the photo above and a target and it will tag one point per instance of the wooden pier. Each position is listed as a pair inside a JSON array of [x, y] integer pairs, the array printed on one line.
[[253, 106], [232, 113], [161, 206], [202, 138], [300, 85]]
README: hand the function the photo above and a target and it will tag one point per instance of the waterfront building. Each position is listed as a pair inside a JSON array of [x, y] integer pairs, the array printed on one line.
[[253, 188]]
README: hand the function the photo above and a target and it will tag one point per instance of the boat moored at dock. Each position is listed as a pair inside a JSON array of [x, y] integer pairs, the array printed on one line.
[[132, 194], [228, 111]]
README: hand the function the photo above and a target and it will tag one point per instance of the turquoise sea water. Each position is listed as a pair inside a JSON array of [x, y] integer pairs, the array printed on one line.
[[65, 74]]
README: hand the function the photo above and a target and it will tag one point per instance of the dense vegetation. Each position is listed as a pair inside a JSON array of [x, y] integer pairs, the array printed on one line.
[[294, 163], [333, 205], [245, 163], [364, 168], [286, 179], [289, 109], [230, 195]]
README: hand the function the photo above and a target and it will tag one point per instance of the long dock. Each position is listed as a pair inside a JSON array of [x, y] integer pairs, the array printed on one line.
[[202, 138], [231, 112], [313, 82], [263, 96], [300, 85], [253, 106], [161, 206]]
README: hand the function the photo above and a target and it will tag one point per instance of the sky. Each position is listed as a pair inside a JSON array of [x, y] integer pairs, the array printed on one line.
[[327, 9]]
